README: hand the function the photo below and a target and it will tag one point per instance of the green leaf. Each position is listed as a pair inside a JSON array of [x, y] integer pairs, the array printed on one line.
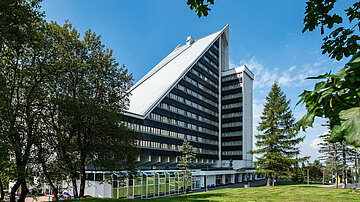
[[336, 135], [350, 125], [306, 121], [355, 61]]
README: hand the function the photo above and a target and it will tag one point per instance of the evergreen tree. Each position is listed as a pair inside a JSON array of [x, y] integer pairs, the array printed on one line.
[[277, 143], [330, 151], [186, 161]]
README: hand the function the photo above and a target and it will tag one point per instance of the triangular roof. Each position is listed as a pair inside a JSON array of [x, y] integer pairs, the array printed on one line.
[[154, 86]]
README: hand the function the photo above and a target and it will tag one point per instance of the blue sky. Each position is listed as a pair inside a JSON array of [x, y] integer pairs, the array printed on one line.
[[264, 35]]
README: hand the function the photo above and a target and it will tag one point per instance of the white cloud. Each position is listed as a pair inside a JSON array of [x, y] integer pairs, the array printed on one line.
[[315, 143], [263, 76], [291, 76], [292, 68]]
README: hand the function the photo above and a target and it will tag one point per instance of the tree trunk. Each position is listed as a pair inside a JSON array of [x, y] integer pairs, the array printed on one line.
[[48, 178], [186, 179], [82, 176], [273, 182], [13, 191], [344, 165], [2, 190], [336, 166], [24, 191], [75, 190], [268, 183], [336, 178]]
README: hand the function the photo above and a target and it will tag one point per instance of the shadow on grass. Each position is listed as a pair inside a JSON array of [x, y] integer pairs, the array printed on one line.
[[189, 197], [192, 197]]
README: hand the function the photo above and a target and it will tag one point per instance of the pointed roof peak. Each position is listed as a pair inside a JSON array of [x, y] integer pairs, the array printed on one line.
[[154, 86]]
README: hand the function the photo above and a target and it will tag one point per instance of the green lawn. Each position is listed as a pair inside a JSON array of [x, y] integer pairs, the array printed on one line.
[[277, 193]]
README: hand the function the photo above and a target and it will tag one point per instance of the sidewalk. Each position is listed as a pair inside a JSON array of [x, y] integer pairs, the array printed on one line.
[[350, 186]]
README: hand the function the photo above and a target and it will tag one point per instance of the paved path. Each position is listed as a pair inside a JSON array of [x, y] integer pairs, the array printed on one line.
[[340, 185]]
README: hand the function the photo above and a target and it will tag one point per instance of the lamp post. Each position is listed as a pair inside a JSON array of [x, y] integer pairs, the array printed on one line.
[[324, 175], [206, 184], [308, 177], [356, 177]]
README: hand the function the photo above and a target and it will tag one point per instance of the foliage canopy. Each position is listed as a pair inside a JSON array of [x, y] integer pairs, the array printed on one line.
[[337, 97]]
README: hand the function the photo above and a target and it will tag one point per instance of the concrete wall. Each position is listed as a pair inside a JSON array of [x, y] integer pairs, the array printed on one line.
[[247, 116]]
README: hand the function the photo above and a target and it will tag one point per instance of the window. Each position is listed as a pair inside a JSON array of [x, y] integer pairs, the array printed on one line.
[[231, 77], [233, 105], [238, 85], [236, 114], [231, 96], [231, 153], [232, 124], [233, 133], [203, 77]]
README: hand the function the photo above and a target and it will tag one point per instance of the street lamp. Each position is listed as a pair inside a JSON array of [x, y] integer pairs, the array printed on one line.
[[356, 178], [207, 172]]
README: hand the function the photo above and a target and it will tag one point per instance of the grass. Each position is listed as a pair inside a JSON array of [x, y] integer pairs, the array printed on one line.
[[277, 193]]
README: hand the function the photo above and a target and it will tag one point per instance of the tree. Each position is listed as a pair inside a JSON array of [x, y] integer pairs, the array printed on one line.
[[278, 140], [61, 99], [337, 96], [87, 100], [297, 174], [331, 154], [186, 161], [315, 171], [23, 66], [200, 6], [6, 170]]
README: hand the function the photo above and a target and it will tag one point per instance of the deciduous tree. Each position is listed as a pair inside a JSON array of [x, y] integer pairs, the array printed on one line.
[[88, 98], [337, 96], [201, 7]]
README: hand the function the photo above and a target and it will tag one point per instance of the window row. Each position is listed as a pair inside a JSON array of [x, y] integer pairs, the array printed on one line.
[[232, 143], [231, 153], [232, 105], [232, 124], [231, 115], [187, 113], [213, 54], [231, 96], [197, 84], [195, 94], [210, 62], [238, 85], [203, 77], [231, 77], [192, 104], [158, 131], [216, 48], [207, 69], [231, 134], [158, 145], [182, 124]]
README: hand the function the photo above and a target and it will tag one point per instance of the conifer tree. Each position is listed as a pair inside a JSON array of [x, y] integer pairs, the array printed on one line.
[[186, 161], [330, 152], [277, 143], [334, 153]]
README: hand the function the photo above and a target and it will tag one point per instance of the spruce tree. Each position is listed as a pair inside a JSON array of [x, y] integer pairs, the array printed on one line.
[[278, 139], [186, 161], [331, 153]]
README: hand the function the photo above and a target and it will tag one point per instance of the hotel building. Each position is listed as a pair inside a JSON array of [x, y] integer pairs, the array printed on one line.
[[192, 94]]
